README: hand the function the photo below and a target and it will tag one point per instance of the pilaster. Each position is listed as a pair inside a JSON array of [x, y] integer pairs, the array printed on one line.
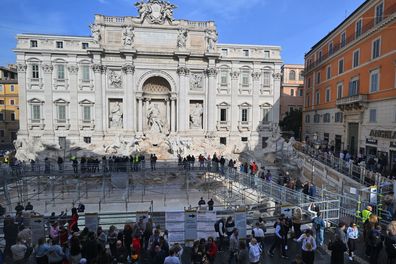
[[23, 107], [129, 70], [47, 69], [211, 99], [183, 72], [73, 106], [97, 69]]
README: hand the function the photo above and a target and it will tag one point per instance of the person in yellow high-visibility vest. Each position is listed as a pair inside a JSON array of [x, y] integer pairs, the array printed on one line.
[[366, 213]]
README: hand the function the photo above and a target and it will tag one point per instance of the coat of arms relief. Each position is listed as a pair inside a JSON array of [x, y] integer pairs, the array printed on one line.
[[155, 11]]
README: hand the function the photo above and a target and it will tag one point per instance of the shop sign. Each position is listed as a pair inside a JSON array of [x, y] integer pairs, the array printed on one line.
[[383, 134], [371, 141], [393, 144]]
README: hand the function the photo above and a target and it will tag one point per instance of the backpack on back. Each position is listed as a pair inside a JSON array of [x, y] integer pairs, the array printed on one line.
[[217, 225]]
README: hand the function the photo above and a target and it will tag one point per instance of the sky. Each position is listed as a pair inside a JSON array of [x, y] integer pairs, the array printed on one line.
[[295, 25]]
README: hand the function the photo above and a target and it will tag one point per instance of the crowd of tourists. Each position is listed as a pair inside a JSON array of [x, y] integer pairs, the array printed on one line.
[[344, 159], [145, 242]]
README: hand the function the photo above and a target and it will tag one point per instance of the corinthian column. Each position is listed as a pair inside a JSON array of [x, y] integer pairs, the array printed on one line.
[[182, 100], [255, 102], [173, 114], [73, 82], [23, 120], [99, 117], [48, 98], [129, 69], [211, 99], [140, 114]]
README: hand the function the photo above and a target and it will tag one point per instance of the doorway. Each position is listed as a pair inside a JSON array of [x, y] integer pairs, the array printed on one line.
[[353, 136]]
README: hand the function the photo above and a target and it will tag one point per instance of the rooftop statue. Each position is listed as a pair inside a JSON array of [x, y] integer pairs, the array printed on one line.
[[155, 11]]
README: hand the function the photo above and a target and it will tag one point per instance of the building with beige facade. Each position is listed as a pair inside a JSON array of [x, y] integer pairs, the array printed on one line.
[[292, 88], [146, 77]]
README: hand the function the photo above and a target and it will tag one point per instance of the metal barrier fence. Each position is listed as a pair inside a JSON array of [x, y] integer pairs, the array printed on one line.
[[358, 173]]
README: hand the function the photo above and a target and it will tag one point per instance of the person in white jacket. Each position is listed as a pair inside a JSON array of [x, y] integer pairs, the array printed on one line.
[[254, 252]]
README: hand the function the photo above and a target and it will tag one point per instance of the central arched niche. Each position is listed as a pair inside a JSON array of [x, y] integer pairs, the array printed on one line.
[[156, 110]]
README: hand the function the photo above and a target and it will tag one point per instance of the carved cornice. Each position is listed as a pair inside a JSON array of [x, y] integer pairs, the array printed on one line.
[[47, 68], [183, 70], [97, 68], [73, 69], [211, 71], [256, 76], [128, 68], [21, 67], [234, 75]]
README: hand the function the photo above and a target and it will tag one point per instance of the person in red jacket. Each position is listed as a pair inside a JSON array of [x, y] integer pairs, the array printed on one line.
[[211, 250], [73, 222], [136, 244]]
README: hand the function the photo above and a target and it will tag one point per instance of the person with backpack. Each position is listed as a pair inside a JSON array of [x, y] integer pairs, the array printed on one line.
[[390, 243], [337, 248], [279, 241], [308, 247], [319, 226], [254, 252], [375, 241], [220, 229]]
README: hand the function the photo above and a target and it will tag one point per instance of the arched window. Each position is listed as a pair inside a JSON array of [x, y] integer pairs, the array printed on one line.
[[292, 75]]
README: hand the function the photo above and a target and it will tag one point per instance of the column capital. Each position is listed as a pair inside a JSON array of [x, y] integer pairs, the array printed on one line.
[[47, 68], [234, 75], [277, 75], [73, 69], [256, 76], [211, 71], [21, 67], [173, 98], [97, 68], [182, 70], [128, 68], [140, 97]]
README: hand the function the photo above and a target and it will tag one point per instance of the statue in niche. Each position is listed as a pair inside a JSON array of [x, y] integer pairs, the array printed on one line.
[[154, 119], [182, 38], [115, 79], [128, 35], [196, 81], [196, 116], [116, 115], [211, 37], [95, 30]]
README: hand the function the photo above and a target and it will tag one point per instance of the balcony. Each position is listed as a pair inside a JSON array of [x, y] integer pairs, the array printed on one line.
[[244, 126], [354, 102], [89, 124], [62, 123], [223, 125]]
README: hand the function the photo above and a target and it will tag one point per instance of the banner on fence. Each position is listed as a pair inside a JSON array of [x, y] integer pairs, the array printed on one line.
[[92, 221], [240, 222], [205, 224], [37, 226], [174, 223], [190, 225]]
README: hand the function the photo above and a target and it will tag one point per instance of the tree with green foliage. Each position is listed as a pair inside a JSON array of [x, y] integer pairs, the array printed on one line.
[[292, 122]]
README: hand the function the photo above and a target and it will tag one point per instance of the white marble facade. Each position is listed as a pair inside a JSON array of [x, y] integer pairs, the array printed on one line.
[[146, 76]]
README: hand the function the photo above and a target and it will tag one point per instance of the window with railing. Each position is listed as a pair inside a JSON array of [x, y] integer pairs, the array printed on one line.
[[317, 98], [343, 39], [376, 48], [379, 12], [328, 72], [340, 90], [340, 66], [358, 28], [355, 58], [328, 95], [354, 87], [330, 48], [374, 81]]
